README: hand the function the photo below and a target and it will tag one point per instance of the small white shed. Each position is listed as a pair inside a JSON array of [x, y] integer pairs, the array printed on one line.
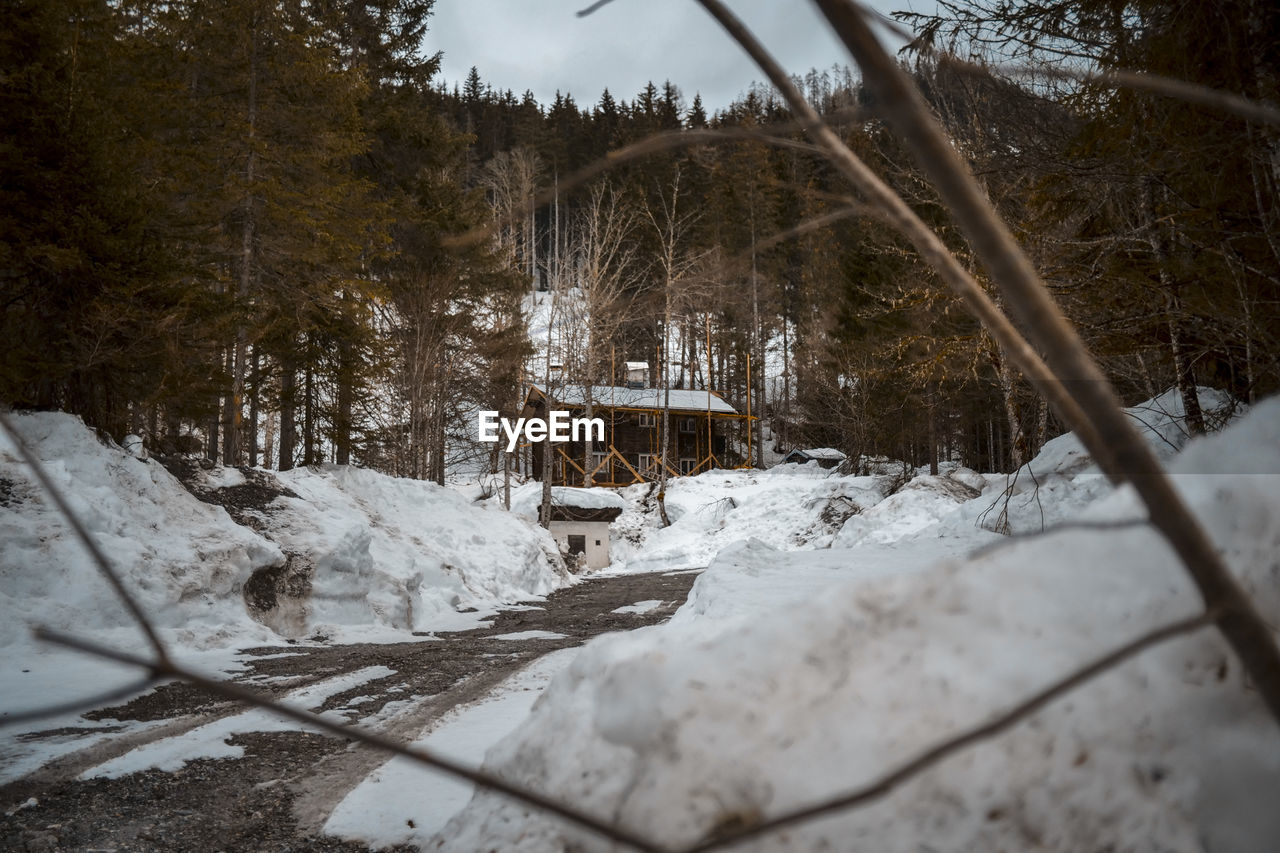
[[580, 519], [585, 531]]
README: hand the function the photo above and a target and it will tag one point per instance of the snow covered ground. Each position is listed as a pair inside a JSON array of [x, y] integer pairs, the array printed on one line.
[[364, 550], [327, 554], [844, 623], [790, 676], [406, 803]]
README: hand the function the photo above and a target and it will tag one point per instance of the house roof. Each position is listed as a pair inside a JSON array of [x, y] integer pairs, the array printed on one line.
[[644, 398], [819, 453]]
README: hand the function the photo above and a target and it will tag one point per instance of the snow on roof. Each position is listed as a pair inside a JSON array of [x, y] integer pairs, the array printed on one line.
[[586, 498], [637, 365], [822, 453], [525, 500], [645, 398]]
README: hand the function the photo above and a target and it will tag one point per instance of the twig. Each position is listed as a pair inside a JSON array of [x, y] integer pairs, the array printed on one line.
[[166, 667], [1112, 439], [77, 705], [934, 755], [86, 539], [902, 217], [1017, 539], [596, 6], [817, 223]]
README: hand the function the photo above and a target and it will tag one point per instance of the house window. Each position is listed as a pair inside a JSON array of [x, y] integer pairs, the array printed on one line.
[[648, 419], [688, 424], [687, 465], [598, 460], [577, 544], [646, 461]]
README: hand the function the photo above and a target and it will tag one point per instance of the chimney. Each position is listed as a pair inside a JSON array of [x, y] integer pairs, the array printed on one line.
[[637, 374]]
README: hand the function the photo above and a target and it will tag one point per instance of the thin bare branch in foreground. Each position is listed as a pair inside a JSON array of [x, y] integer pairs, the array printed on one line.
[[599, 4], [1113, 441], [86, 539], [850, 210], [931, 757], [88, 703]]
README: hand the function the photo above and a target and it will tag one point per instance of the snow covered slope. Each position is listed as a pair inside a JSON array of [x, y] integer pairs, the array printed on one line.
[[760, 697], [323, 551], [406, 553], [786, 507], [186, 561]]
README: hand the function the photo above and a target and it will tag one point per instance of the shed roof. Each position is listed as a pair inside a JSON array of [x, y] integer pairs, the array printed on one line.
[[604, 514]]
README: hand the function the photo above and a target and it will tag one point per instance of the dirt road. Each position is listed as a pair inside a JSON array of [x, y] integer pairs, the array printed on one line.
[[278, 795]]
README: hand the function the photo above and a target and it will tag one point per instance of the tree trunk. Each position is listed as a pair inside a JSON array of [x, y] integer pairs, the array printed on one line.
[[288, 403], [1185, 373], [757, 346], [588, 445], [1007, 392], [666, 410], [441, 445], [255, 368], [346, 393], [235, 400], [506, 479], [544, 508], [933, 441], [781, 439]]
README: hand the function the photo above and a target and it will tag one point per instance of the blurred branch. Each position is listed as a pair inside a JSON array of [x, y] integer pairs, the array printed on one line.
[[86, 539], [87, 704]]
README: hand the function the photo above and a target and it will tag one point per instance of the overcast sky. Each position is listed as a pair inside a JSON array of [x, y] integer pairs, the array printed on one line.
[[541, 45]]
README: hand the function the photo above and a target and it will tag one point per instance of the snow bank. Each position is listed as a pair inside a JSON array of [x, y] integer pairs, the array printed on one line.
[[404, 553], [787, 507], [749, 705], [352, 548], [1063, 476], [922, 503], [185, 561]]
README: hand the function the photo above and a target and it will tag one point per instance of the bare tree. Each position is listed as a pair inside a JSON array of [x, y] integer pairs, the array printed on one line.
[[675, 261], [510, 180], [607, 274]]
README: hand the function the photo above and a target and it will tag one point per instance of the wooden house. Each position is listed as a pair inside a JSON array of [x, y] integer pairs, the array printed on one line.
[[631, 451]]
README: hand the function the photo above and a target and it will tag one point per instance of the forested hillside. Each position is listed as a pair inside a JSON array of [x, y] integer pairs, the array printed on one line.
[[252, 226]]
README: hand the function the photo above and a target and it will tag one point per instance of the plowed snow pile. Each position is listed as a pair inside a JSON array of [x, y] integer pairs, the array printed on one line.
[[184, 560], [355, 552], [791, 677]]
